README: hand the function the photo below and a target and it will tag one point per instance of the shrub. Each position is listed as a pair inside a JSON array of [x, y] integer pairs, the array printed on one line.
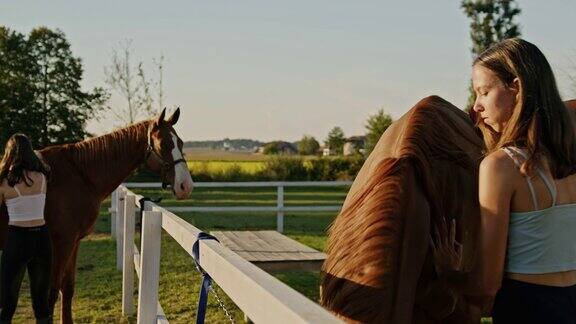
[[279, 168], [284, 169]]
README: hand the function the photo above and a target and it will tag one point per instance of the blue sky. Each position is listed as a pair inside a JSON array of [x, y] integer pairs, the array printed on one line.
[[272, 70]]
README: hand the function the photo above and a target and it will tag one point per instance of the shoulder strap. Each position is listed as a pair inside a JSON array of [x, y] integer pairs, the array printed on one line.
[[549, 184], [17, 191], [518, 164], [42, 189]]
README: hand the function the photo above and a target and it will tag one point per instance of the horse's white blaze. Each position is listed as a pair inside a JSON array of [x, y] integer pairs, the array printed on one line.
[[182, 179]]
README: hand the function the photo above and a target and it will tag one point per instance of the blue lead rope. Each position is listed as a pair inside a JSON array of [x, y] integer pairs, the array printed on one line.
[[206, 280]]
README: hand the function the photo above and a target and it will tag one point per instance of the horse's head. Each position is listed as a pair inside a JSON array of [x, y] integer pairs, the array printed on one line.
[[164, 154]]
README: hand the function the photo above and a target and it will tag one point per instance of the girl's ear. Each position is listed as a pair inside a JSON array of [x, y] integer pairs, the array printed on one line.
[[515, 87]]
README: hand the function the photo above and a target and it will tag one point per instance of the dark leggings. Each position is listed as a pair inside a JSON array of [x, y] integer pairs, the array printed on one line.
[[26, 247], [526, 303]]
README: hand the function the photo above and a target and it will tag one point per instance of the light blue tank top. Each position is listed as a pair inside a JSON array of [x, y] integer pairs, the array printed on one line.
[[543, 240]]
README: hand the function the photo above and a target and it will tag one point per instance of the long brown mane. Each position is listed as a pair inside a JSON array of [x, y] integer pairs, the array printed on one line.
[[105, 149], [97, 159], [359, 275], [378, 267]]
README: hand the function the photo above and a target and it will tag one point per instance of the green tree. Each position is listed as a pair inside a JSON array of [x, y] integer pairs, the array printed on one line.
[[271, 148], [40, 93], [308, 145], [376, 125], [335, 140], [492, 21], [17, 91], [279, 147]]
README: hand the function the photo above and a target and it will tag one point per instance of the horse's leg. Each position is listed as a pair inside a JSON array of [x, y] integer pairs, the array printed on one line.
[[62, 251], [67, 287], [52, 299]]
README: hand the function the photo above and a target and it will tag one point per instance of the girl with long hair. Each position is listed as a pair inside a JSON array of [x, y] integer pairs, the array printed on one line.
[[23, 178], [527, 188]]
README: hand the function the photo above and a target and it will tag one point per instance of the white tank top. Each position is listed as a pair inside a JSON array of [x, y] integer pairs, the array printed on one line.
[[27, 207]]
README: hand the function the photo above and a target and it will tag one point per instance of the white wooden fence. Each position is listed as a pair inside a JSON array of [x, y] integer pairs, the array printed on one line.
[[279, 208], [261, 297]]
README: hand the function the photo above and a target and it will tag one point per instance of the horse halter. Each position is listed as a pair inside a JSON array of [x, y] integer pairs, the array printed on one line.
[[166, 166]]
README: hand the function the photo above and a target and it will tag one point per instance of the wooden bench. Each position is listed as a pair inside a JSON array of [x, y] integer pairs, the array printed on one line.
[[271, 251]]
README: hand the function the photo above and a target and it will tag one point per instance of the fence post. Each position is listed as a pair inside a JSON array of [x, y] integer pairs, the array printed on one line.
[[113, 208], [128, 268], [120, 229], [280, 212], [149, 267]]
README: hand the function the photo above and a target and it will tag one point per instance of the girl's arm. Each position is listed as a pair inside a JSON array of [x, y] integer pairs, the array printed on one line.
[[497, 176]]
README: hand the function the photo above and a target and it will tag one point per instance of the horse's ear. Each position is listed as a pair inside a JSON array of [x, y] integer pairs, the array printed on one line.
[[161, 117], [172, 120]]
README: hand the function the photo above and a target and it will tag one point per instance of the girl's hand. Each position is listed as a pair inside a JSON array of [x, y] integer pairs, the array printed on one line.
[[446, 250]]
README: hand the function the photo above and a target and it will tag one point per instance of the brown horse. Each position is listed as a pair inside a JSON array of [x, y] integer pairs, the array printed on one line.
[[379, 267], [85, 173]]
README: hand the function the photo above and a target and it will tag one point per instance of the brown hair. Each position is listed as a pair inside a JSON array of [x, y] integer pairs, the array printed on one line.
[[19, 157], [540, 121]]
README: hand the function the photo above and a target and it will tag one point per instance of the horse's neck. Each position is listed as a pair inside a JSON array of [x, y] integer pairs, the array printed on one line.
[[108, 160]]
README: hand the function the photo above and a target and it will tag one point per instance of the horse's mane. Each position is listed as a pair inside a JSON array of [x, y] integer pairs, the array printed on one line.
[[438, 130], [440, 138], [372, 244], [98, 157], [434, 133], [107, 148], [421, 149]]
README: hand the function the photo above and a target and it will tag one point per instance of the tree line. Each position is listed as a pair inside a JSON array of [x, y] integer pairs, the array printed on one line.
[[375, 126]]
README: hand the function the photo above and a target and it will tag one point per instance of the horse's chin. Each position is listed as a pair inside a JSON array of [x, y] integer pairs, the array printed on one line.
[[181, 194], [182, 186]]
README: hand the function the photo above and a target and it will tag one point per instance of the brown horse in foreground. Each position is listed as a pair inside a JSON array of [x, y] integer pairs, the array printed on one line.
[[379, 267], [85, 173]]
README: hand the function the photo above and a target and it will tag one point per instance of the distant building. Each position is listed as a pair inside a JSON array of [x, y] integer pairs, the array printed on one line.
[[354, 145]]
